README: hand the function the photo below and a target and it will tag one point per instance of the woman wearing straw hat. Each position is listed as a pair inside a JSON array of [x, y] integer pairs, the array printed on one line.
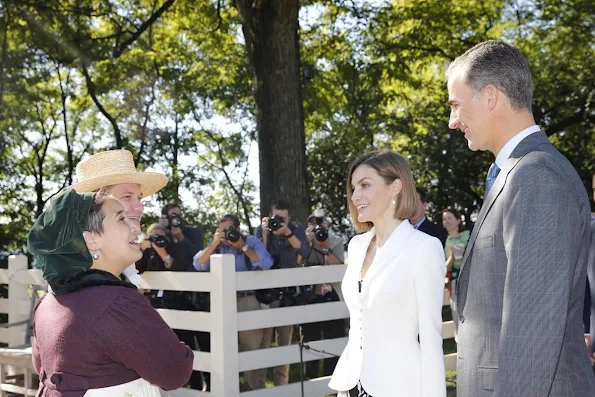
[[95, 335], [114, 172]]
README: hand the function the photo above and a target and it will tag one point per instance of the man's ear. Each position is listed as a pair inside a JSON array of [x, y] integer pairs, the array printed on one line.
[[91, 241], [491, 96]]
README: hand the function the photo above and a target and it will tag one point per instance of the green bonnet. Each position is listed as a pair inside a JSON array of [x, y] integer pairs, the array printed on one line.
[[56, 238]]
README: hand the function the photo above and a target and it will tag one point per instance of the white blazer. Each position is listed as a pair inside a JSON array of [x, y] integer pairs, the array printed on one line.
[[401, 299]]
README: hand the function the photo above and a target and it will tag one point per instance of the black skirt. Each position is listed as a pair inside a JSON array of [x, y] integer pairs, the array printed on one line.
[[359, 391]]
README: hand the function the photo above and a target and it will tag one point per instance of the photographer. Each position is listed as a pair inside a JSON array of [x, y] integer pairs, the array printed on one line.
[[250, 254], [158, 255], [286, 242], [326, 249], [184, 239]]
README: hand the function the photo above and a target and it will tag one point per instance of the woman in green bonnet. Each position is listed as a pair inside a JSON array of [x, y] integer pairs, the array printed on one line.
[[95, 335]]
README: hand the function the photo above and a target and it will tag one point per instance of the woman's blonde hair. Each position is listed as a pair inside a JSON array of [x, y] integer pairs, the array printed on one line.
[[151, 229], [390, 166]]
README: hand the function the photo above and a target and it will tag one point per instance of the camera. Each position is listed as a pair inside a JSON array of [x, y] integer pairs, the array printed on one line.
[[275, 223], [232, 234], [159, 240], [175, 220], [321, 233]]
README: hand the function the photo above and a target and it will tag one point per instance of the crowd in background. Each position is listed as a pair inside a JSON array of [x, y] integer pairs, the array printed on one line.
[[279, 243]]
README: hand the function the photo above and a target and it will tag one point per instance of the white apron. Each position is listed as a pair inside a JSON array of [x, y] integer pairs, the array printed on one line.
[[136, 388]]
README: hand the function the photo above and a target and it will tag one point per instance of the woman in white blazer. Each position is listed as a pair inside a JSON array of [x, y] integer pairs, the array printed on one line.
[[393, 287]]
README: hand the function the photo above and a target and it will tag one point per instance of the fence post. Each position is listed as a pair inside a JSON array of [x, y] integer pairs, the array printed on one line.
[[225, 377], [17, 293]]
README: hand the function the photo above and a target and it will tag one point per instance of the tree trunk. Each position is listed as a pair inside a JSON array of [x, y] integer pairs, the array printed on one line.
[[271, 32]]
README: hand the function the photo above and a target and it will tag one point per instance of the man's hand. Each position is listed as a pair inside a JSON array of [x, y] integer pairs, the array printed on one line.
[[177, 233], [310, 235], [160, 251], [265, 226], [218, 237], [282, 231], [325, 244], [238, 244]]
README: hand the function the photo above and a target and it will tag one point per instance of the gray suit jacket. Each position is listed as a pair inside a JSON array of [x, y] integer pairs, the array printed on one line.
[[522, 282], [591, 275]]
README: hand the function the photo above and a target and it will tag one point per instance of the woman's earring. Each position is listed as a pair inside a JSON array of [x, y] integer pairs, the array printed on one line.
[[95, 255], [395, 200]]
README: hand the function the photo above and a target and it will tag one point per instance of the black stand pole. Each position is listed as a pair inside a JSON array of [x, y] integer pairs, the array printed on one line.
[[301, 344]]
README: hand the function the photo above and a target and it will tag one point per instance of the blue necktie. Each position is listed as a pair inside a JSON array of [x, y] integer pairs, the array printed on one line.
[[492, 175]]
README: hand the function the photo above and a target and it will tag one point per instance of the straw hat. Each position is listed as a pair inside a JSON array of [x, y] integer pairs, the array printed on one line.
[[114, 167]]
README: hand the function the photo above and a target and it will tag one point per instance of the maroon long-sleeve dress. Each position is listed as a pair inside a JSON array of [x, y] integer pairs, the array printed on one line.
[[103, 336]]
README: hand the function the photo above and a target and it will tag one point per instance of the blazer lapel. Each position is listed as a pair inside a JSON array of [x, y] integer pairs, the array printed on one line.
[[386, 256], [524, 147], [363, 249]]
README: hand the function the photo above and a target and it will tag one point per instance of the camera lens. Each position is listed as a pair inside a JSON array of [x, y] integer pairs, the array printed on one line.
[[175, 221], [275, 223], [232, 235], [321, 233], [159, 240]]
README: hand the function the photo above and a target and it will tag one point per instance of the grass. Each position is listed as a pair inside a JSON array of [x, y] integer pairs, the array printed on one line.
[[451, 384], [449, 346]]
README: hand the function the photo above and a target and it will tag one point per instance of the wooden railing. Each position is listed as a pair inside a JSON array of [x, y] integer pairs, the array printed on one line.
[[223, 362]]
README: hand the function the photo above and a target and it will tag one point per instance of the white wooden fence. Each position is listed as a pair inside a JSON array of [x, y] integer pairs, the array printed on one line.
[[224, 362]]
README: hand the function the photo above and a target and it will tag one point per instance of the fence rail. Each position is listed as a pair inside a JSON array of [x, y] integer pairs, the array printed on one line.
[[224, 362]]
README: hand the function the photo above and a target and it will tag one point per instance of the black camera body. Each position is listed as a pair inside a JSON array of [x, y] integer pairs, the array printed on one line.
[[275, 223], [159, 240], [321, 233], [232, 234], [175, 220]]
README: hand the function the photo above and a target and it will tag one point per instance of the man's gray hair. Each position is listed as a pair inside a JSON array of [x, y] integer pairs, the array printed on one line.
[[501, 65]]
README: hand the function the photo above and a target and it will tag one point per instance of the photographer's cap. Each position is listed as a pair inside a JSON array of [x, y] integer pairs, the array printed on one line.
[[319, 213]]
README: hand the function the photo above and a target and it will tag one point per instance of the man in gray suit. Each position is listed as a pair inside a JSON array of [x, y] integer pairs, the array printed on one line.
[[590, 328], [522, 281]]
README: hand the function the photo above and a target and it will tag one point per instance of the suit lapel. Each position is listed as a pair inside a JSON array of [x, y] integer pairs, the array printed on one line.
[[487, 205], [524, 147]]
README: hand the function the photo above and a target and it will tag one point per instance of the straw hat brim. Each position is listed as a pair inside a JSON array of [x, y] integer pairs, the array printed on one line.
[[150, 182]]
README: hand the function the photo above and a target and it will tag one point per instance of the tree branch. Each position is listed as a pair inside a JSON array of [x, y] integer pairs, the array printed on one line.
[[4, 58], [147, 113], [122, 47], [64, 98], [219, 19], [567, 122], [91, 88], [222, 161], [396, 46]]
